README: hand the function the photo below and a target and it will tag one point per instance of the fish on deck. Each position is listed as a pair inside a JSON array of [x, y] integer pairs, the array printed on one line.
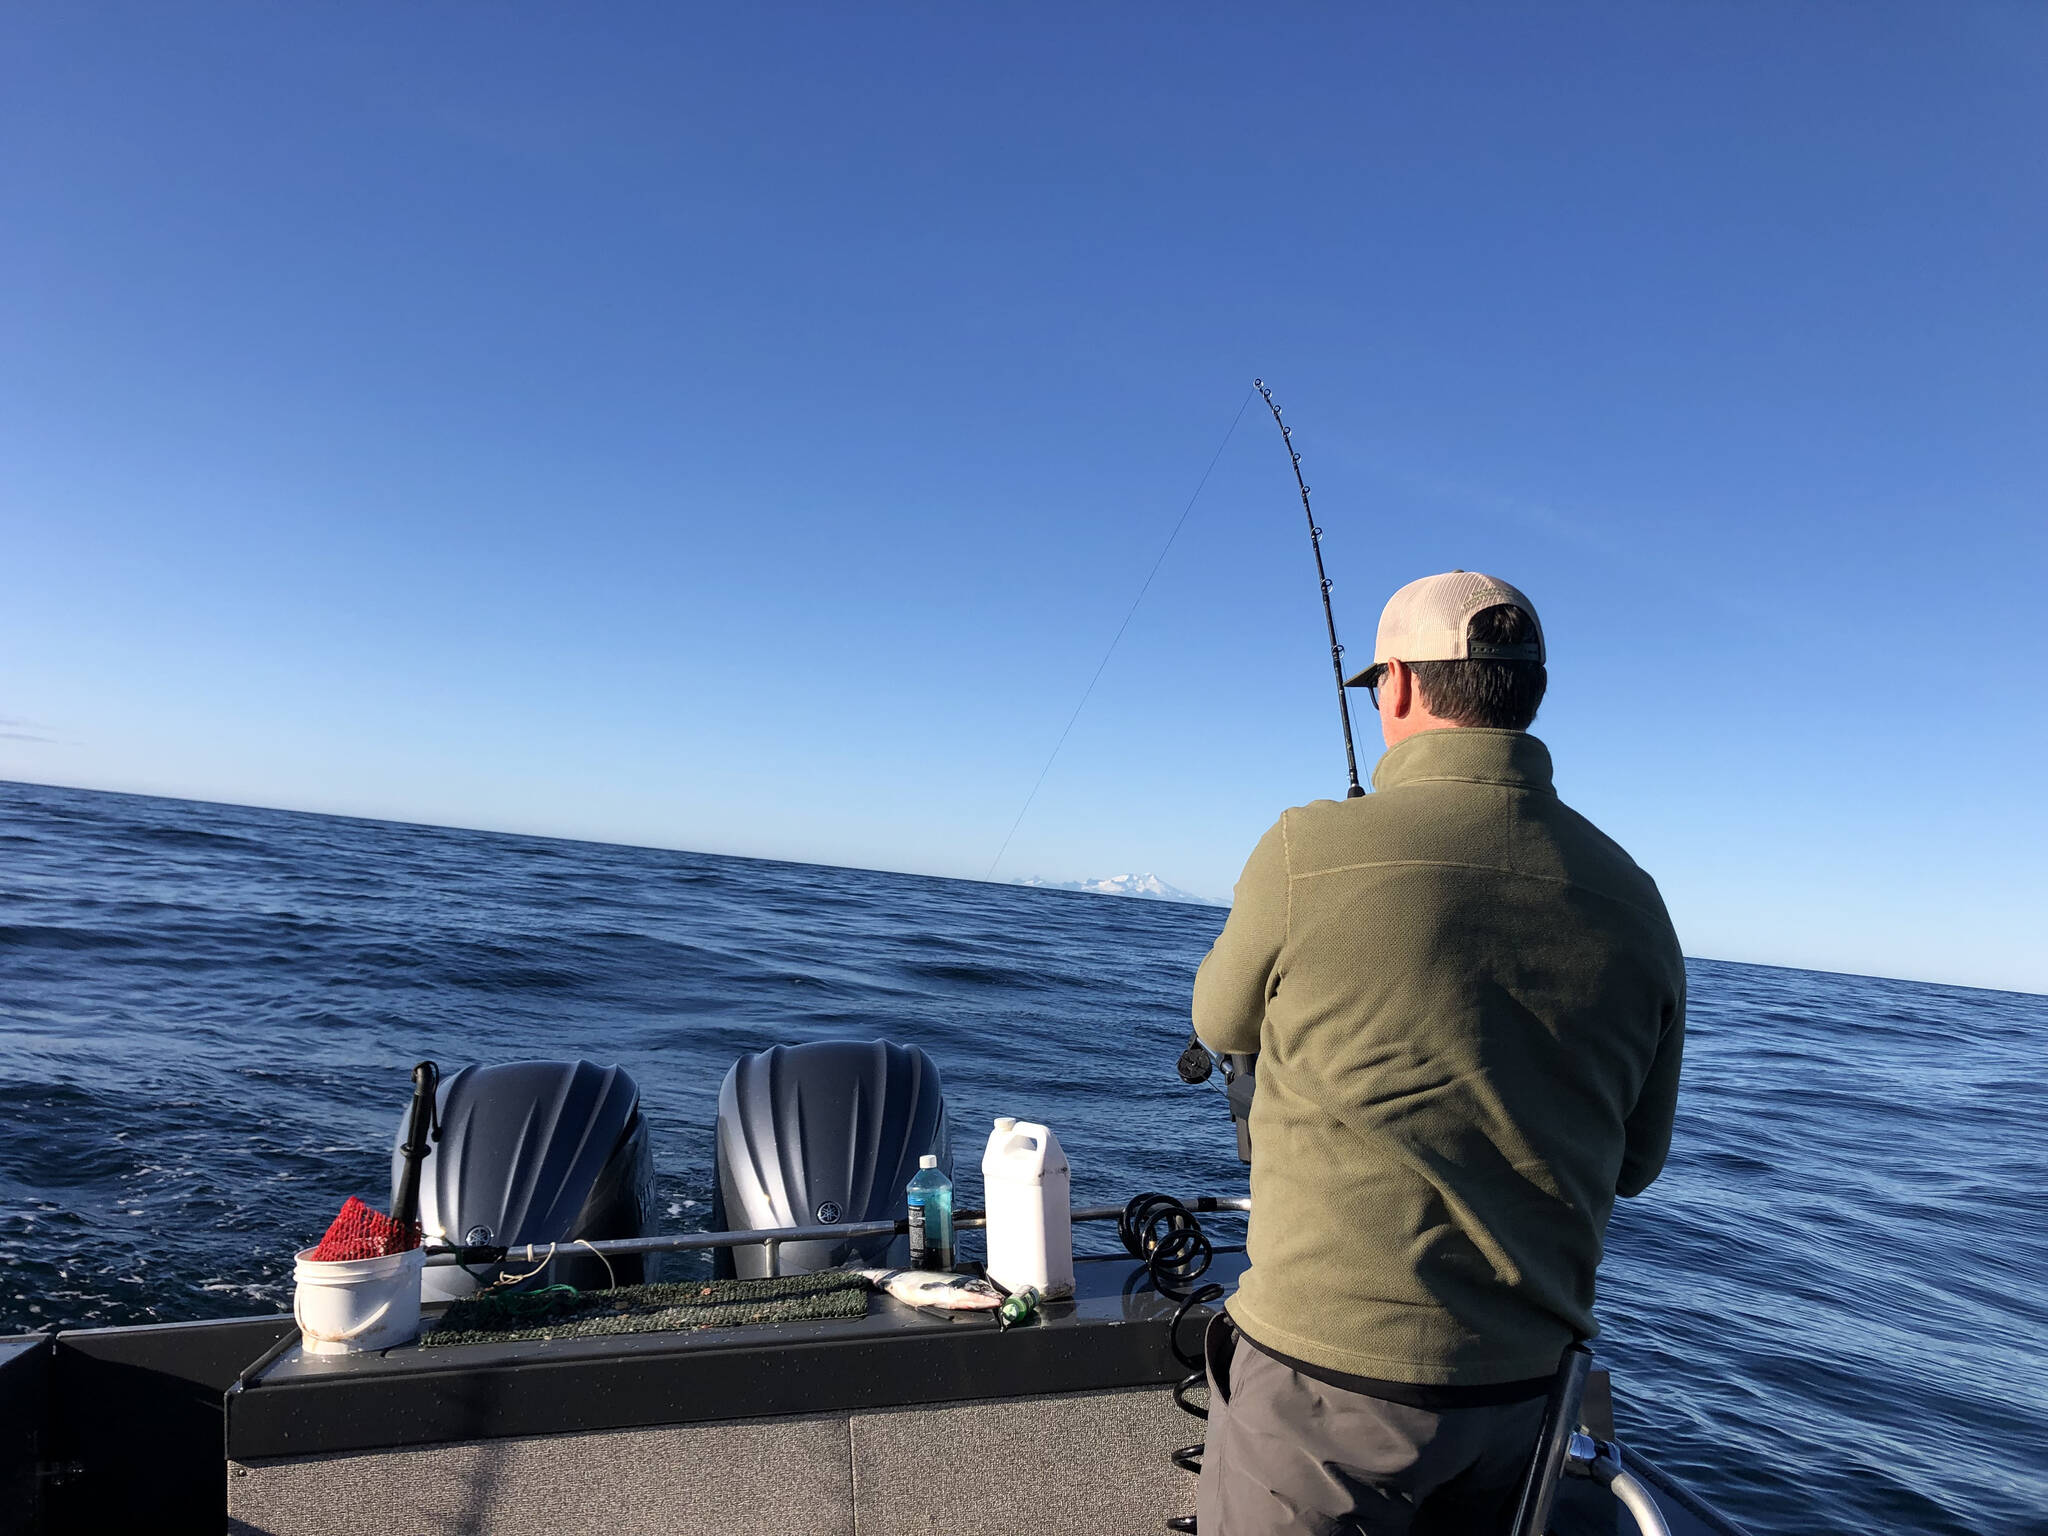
[[929, 1288]]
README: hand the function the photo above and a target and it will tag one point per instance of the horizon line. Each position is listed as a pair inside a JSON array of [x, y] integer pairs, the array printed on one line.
[[908, 874]]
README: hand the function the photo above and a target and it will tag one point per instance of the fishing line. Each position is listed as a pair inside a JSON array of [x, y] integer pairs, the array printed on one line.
[[992, 863]]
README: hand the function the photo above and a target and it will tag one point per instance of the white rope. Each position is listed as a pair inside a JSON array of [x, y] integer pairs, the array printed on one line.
[[544, 1263], [607, 1263], [610, 1274]]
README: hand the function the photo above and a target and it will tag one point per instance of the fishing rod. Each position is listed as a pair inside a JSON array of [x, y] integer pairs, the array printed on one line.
[[1315, 538], [1196, 1063]]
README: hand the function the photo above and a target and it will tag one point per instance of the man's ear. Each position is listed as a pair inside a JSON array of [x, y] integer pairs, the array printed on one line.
[[1397, 690]]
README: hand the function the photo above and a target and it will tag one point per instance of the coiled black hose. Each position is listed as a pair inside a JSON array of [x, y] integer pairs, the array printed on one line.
[[1168, 1238]]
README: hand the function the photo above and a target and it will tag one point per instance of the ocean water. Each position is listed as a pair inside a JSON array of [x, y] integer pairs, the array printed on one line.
[[1831, 1314]]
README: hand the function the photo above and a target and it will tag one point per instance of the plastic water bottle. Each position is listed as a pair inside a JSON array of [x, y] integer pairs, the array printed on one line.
[[931, 1216]]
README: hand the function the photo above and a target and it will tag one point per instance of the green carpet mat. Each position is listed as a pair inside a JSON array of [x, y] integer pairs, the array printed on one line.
[[508, 1317]]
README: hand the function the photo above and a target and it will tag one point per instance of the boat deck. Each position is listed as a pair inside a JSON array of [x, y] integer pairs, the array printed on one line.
[[900, 1421]]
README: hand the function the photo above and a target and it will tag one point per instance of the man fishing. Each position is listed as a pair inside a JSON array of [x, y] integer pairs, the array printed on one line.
[[1469, 1007]]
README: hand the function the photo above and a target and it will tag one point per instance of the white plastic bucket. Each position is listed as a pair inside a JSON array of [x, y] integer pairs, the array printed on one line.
[[350, 1305], [1028, 1191]]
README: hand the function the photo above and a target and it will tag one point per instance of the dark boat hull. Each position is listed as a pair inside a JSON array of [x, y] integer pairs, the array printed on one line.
[[899, 1421]]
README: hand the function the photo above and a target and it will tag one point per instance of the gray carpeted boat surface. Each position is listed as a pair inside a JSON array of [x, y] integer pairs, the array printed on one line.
[[560, 1312]]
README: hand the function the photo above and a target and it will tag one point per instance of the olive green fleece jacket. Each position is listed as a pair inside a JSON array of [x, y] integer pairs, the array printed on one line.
[[1469, 1007]]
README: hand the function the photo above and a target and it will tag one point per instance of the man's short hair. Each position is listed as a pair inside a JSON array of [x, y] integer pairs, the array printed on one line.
[[1502, 694]]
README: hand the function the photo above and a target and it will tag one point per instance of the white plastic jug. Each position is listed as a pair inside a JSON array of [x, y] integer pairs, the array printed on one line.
[[1028, 1191], [344, 1306]]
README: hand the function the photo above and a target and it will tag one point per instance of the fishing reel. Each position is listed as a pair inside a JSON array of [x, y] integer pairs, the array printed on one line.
[[1240, 1078]]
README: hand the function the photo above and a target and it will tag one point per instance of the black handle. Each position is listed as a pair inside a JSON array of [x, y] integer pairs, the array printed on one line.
[[1560, 1419], [405, 1204]]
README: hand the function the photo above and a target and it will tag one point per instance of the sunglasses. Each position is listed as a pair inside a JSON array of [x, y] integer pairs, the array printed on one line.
[[1372, 691]]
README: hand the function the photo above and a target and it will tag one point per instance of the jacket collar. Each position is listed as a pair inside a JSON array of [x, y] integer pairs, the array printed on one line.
[[1472, 754]]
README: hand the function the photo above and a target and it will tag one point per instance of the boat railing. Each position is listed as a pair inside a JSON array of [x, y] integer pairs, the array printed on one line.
[[768, 1239]]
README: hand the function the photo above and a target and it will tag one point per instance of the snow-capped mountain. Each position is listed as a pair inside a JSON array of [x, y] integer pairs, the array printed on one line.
[[1147, 887]]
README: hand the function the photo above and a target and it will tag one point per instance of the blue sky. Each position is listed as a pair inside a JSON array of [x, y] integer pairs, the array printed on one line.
[[744, 432]]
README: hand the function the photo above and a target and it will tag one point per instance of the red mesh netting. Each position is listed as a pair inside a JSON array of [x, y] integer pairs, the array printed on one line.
[[361, 1233]]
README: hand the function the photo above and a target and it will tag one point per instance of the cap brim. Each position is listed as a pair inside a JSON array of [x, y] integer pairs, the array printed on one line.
[[1369, 678]]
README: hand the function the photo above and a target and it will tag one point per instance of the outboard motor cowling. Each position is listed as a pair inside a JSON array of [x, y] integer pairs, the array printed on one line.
[[819, 1134], [536, 1152]]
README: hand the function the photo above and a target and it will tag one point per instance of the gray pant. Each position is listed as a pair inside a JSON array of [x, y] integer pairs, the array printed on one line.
[[1289, 1454]]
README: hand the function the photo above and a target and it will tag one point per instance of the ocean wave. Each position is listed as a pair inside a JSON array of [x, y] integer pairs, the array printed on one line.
[[54, 936]]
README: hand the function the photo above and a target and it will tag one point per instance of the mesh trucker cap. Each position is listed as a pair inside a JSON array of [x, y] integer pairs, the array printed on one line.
[[1427, 621]]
